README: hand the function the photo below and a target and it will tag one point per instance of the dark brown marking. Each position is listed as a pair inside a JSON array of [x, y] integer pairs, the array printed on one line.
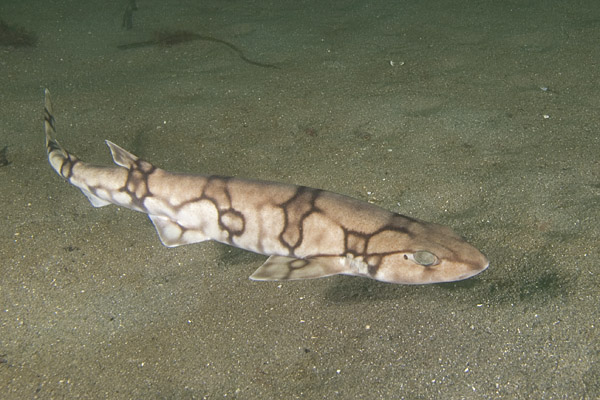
[[355, 243], [66, 168], [232, 222], [136, 185], [295, 210], [53, 146], [216, 191], [374, 262], [49, 118]]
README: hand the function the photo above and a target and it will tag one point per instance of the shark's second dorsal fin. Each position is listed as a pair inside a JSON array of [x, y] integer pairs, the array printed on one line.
[[121, 156]]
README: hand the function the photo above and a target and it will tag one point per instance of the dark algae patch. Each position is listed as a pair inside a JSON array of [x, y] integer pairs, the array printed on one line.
[[3, 159], [171, 38], [15, 36], [128, 15]]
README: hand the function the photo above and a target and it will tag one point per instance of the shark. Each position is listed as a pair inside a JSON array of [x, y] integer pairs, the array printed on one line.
[[305, 232]]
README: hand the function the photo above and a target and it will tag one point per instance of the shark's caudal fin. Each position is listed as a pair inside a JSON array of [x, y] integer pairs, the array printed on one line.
[[60, 159], [56, 153]]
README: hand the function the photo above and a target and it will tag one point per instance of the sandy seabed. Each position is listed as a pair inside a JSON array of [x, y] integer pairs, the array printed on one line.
[[479, 115]]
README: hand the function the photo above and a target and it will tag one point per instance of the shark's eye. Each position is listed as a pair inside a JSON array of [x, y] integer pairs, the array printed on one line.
[[425, 258]]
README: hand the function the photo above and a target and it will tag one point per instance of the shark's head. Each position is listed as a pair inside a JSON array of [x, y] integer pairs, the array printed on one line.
[[423, 253]]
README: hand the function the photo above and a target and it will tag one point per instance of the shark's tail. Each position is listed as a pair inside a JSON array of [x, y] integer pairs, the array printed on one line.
[[49, 124], [58, 157], [66, 164]]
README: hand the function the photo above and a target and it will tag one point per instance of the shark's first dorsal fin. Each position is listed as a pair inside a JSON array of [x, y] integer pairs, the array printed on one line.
[[121, 156]]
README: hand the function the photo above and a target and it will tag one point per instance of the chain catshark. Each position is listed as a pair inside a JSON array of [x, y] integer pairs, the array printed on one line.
[[305, 232]]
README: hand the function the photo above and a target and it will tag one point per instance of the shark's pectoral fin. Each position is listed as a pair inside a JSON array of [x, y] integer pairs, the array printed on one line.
[[172, 234], [280, 268], [95, 200]]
